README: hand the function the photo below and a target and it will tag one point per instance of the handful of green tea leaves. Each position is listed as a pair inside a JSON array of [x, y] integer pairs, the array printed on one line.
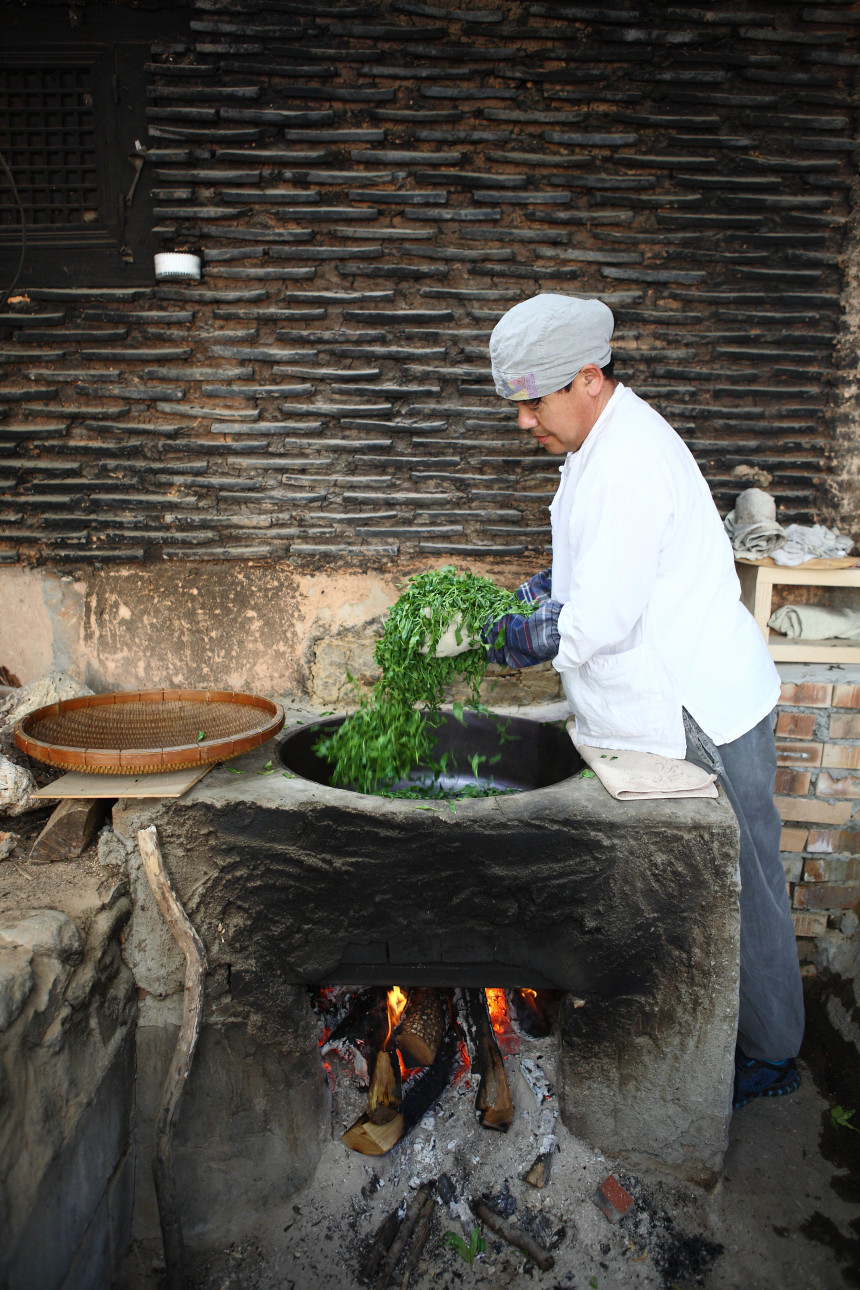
[[392, 730]]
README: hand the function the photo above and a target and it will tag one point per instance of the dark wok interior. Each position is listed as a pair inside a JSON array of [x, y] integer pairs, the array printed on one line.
[[514, 753]]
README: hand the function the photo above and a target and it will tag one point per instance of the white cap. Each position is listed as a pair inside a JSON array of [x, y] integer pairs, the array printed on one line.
[[539, 346]]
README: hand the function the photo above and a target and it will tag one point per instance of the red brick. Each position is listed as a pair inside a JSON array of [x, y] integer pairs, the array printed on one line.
[[793, 781], [808, 694], [612, 1199], [798, 754], [845, 786], [809, 924], [830, 869], [793, 839], [826, 895], [846, 696], [845, 755], [829, 840], [845, 727], [795, 725], [808, 810]]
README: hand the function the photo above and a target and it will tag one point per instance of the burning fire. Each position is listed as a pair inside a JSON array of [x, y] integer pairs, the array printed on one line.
[[506, 1038], [396, 1002]]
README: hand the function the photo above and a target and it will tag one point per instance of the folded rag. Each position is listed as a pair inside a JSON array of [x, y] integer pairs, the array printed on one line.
[[812, 622], [814, 542], [752, 525], [635, 776]]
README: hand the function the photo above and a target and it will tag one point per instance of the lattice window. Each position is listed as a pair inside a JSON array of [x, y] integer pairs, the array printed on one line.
[[48, 136]]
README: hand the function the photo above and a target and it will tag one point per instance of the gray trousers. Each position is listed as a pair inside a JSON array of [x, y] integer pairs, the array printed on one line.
[[770, 1019]]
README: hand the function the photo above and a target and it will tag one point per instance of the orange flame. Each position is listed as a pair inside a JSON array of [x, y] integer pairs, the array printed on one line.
[[497, 1002], [396, 1002]]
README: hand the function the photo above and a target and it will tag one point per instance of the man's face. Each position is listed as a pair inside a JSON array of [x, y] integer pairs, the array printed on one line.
[[560, 422]]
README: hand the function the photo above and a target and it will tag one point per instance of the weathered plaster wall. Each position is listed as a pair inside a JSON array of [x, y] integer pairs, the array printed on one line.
[[263, 627]]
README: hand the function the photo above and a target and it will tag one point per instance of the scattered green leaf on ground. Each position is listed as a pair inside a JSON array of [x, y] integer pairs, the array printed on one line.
[[840, 1118], [467, 1251]]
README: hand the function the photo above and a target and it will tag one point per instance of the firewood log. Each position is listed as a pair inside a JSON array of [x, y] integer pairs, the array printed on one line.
[[420, 1094], [493, 1103], [70, 829], [421, 1027], [384, 1097], [513, 1234]]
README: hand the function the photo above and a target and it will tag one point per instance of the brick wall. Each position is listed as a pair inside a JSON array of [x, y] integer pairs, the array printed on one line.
[[818, 796], [371, 186]]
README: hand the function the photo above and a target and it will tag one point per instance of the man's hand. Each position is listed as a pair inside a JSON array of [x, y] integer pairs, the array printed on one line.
[[517, 640], [454, 640]]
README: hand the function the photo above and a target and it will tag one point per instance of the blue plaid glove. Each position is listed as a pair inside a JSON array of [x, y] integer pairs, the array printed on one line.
[[537, 588], [525, 641]]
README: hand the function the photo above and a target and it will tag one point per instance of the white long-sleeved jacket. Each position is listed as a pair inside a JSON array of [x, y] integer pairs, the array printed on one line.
[[651, 620]]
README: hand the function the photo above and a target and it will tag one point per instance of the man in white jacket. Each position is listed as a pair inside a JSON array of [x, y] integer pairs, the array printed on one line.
[[641, 615]]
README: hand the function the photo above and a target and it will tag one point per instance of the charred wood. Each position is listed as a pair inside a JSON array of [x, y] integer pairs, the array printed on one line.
[[513, 1234], [380, 1244], [493, 1103], [422, 1196], [535, 1011]]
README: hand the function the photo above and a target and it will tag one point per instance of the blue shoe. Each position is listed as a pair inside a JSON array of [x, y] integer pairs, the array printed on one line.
[[756, 1077]]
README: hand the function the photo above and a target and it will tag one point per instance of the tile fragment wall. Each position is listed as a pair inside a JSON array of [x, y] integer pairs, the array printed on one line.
[[370, 188]]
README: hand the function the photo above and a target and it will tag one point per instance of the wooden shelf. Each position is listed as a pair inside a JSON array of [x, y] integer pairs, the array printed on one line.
[[758, 579]]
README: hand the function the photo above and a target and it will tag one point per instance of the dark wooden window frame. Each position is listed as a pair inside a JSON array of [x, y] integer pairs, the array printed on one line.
[[116, 248]]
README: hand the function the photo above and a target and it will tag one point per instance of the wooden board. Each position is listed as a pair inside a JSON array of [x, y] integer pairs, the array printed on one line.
[[819, 562], [170, 784]]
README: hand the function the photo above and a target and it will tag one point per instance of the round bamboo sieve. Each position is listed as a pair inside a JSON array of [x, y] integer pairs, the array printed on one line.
[[138, 732]]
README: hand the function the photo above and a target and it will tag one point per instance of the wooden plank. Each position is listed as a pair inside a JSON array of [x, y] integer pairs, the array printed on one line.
[[166, 784]]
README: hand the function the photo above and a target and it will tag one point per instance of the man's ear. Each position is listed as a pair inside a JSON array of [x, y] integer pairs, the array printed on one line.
[[593, 379]]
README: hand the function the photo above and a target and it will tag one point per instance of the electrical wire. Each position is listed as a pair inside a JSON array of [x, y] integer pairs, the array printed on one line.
[[7, 293]]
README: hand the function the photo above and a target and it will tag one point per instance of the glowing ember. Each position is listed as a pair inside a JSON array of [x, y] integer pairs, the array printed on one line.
[[506, 1037]]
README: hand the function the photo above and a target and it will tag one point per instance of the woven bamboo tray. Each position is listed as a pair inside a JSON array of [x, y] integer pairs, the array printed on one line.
[[138, 732]]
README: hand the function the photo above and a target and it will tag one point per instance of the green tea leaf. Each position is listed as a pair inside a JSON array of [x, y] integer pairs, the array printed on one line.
[[586, 774], [840, 1118], [201, 735], [392, 730]]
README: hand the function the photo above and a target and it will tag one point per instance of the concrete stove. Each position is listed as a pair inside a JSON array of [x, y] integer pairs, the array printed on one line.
[[632, 908]]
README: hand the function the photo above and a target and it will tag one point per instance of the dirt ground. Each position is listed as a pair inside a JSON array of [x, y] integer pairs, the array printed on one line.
[[786, 1213]]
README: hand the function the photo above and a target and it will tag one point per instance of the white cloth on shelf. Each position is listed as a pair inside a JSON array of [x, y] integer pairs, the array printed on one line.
[[752, 525], [816, 622], [815, 542]]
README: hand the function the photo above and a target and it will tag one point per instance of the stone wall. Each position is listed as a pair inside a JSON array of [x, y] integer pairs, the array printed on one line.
[[67, 1012], [370, 187]]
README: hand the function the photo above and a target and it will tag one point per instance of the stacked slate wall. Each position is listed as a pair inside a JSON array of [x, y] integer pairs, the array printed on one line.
[[370, 187]]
